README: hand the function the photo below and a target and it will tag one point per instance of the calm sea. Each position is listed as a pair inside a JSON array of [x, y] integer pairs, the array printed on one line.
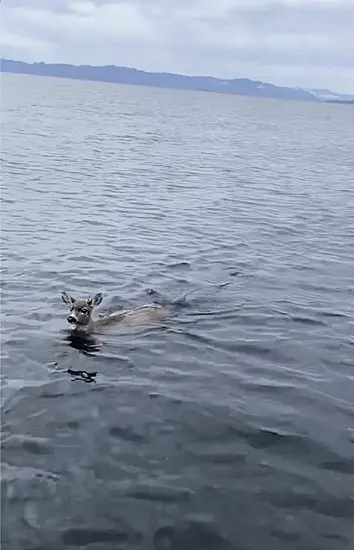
[[231, 424]]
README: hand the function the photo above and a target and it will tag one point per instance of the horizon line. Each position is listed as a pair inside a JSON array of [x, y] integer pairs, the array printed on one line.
[[309, 90], [222, 79]]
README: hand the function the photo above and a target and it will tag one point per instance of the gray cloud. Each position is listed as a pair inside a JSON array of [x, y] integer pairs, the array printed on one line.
[[290, 42]]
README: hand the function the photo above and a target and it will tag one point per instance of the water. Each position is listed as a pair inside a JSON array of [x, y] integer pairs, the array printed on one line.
[[230, 425]]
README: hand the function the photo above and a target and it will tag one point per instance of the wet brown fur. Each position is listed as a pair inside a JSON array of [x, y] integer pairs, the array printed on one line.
[[81, 318]]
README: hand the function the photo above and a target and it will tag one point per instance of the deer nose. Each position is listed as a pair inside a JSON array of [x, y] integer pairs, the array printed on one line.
[[71, 319]]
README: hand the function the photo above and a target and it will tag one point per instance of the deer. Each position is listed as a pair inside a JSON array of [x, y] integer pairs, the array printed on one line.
[[81, 317]]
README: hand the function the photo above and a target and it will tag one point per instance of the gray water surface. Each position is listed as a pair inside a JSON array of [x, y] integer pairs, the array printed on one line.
[[231, 424]]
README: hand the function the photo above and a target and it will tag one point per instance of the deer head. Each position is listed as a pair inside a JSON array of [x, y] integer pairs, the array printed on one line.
[[80, 315]]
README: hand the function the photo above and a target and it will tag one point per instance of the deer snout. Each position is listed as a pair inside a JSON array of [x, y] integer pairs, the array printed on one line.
[[71, 319]]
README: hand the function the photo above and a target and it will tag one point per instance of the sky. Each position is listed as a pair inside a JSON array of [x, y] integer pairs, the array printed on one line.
[[306, 43]]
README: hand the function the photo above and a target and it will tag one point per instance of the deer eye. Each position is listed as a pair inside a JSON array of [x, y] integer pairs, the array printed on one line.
[[84, 311]]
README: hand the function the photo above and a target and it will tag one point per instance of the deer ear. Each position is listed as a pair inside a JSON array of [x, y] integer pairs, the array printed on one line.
[[97, 299], [68, 300]]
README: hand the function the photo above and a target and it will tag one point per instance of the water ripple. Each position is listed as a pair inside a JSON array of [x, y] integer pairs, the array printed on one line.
[[231, 422]]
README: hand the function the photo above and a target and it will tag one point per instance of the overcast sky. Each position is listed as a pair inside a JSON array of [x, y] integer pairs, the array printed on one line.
[[307, 43]]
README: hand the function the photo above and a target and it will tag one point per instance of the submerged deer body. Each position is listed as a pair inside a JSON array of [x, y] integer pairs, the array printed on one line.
[[80, 316]]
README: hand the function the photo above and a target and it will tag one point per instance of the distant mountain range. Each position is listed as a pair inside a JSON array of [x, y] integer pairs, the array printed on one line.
[[126, 75]]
